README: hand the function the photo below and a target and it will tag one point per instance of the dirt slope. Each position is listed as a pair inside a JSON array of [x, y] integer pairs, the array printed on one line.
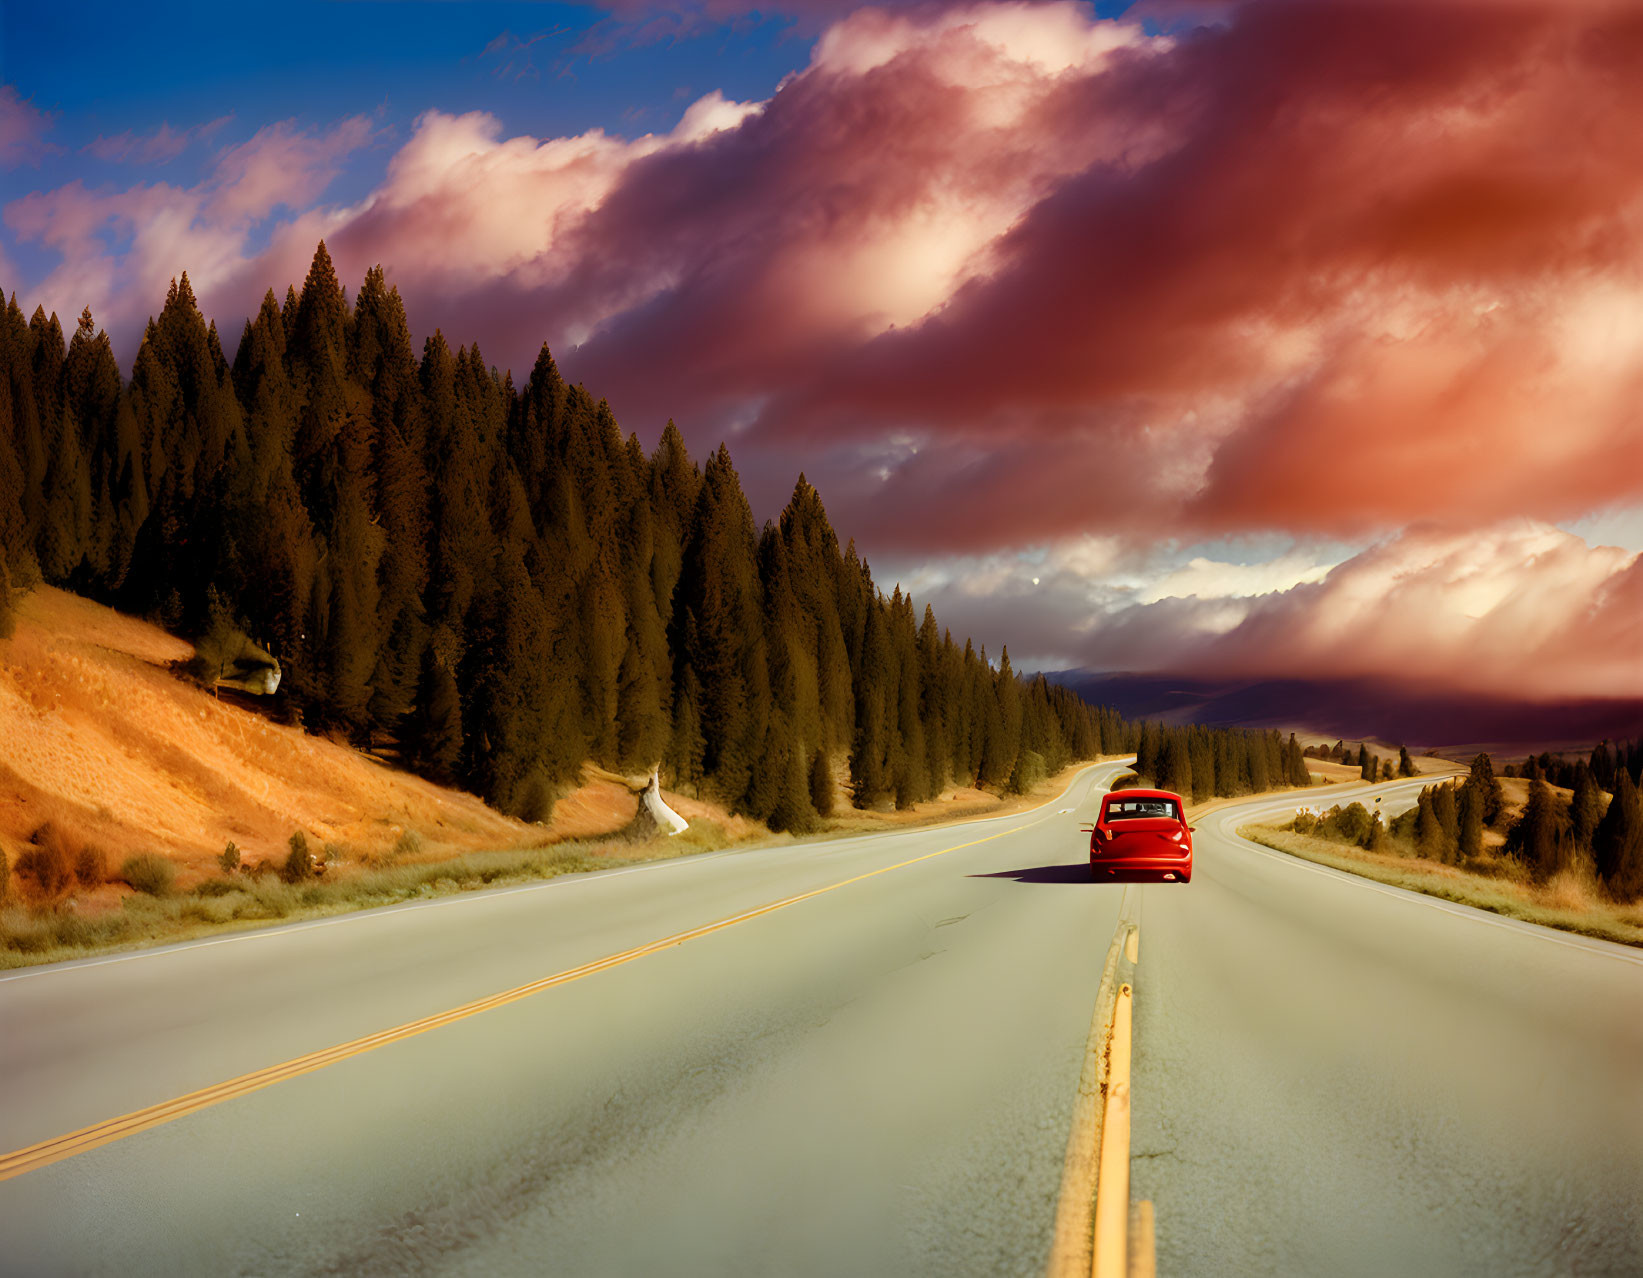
[[97, 735]]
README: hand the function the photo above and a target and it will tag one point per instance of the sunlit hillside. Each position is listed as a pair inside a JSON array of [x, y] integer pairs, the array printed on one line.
[[104, 739]]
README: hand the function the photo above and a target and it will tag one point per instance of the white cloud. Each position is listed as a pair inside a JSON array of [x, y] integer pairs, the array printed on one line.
[[1211, 579]]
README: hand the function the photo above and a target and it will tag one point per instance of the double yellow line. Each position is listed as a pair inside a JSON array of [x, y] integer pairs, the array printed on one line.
[[1099, 1233], [110, 1130]]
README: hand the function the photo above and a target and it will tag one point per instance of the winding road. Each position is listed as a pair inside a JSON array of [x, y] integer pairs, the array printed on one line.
[[850, 1057]]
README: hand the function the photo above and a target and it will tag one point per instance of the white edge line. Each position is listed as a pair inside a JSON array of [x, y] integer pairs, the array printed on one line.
[[1554, 936]]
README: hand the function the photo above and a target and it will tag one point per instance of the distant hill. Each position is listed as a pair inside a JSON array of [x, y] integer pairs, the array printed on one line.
[[1362, 708]]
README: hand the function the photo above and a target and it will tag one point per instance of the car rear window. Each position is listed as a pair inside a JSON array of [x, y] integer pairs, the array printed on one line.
[[1133, 809]]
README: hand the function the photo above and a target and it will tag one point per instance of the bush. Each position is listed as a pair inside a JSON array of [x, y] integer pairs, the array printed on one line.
[[299, 862], [408, 843], [5, 875], [1348, 825], [149, 874], [47, 866], [91, 866], [216, 887], [230, 858]]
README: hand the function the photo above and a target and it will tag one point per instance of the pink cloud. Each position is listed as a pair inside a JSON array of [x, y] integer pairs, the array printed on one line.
[[1005, 273], [22, 129], [1515, 610], [166, 229], [159, 147], [282, 165]]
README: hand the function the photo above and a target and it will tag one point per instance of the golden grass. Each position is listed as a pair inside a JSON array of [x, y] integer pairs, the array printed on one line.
[[1571, 901], [237, 902]]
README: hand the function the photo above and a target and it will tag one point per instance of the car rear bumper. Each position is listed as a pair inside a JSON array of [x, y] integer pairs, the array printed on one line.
[[1115, 867]]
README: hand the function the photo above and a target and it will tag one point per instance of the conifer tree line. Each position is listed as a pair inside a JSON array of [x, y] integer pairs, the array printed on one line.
[[492, 583], [1605, 762], [1201, 763], [1602, 831]]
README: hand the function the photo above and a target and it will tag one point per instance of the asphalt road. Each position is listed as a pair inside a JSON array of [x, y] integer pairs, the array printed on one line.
[[1336, 1077], [874, 1080], [1330, 1077]]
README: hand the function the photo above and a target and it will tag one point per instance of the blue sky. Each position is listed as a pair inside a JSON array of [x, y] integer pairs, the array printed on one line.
[[101, 69]]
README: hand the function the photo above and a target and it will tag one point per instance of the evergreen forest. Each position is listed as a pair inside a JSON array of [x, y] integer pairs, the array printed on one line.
[[491, 584]]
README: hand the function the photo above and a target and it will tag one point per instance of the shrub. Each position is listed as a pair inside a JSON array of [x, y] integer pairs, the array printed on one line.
[[535, 800], [47, 866], [1349, 824], [149, 874], [409, 843], [332, 854], [91, 866], [299, 862], [230, 858], [5, 875], [215, 887]]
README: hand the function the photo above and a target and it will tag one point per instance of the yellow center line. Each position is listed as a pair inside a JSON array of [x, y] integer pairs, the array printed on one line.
[[104, 1133]]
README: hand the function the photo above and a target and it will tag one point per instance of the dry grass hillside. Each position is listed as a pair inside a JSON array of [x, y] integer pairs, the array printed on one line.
[[103, 740]]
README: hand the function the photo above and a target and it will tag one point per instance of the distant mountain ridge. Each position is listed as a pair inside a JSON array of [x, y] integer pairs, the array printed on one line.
[[1425, 718]]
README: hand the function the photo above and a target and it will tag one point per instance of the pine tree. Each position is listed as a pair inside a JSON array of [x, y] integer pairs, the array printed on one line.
[[816, 569], [1429, 835], [1470, 837], [1481, 781], [1406, 766], [1004, 744], [1585, 809], [1178, 765], [1534, 837], [432, 734], [724, 645], [794, 680], [909, 766], [1617, 842], [871, 769], [1443, 805], [821, 784], [936, 702]]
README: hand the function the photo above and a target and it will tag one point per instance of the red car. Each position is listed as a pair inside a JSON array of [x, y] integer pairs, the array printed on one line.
[[1141, 834]]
